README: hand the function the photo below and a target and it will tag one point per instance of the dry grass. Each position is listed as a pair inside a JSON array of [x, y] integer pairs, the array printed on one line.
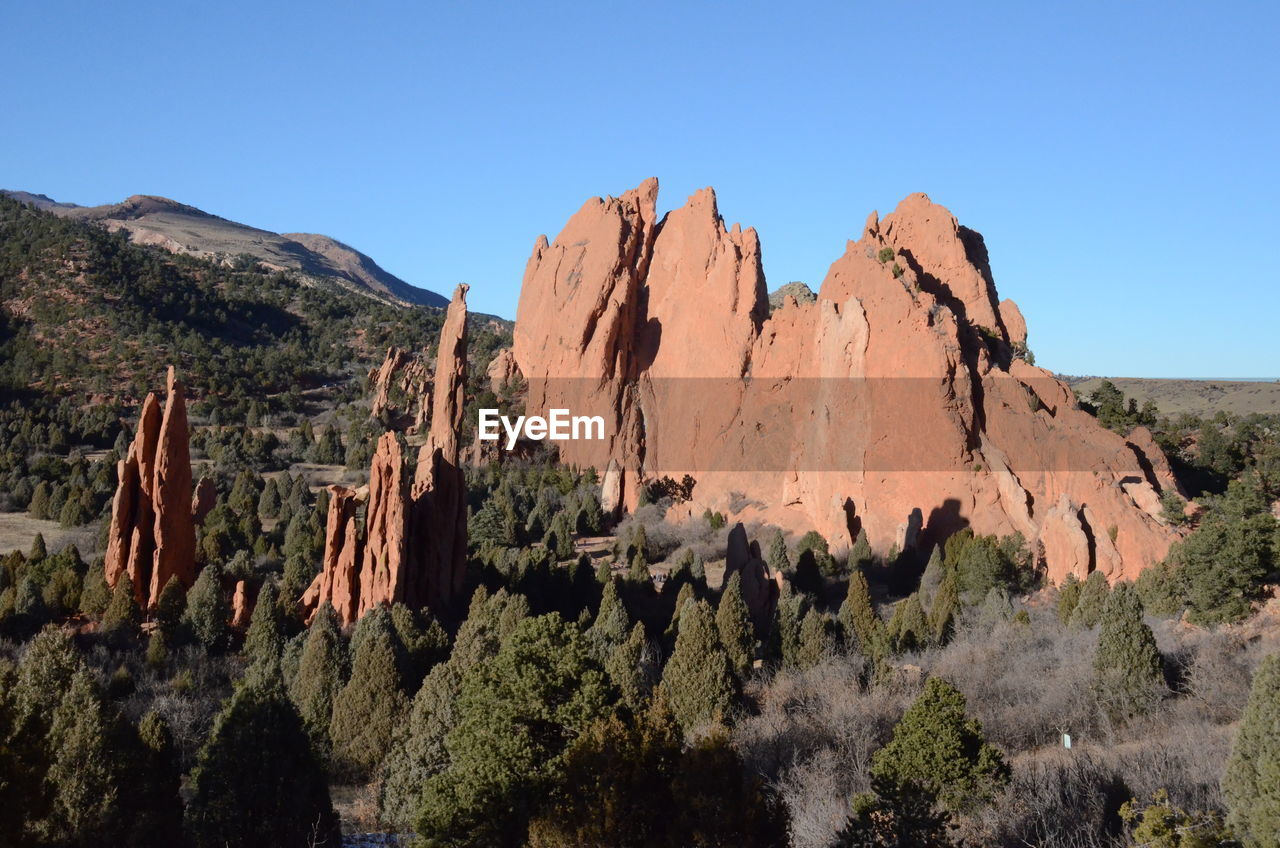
[[18, 530]]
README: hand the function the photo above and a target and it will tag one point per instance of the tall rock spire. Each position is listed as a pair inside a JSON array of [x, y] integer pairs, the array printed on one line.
[[151, 537]]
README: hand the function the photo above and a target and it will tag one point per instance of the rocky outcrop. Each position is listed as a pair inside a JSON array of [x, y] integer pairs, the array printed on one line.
[[400, 374], [151, 538], [896, 403], [204, 500], [439, 492], [337, 583], [241, 608], [383, 573], [760, 589], [502, 370], [414, 545]]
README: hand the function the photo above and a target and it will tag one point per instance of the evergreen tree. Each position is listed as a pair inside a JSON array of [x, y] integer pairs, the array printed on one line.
[[909, 628], [932, 578], [936, 748], [862, 627], [320, 676], [943, 611], [85, 793], [788, 621], [516, 715], [39, 550], [256, 782], [612, 624], [367, 709], [170, 607], [816, 643], [207, 609], [777, 559], [698, 681], [265, 637], [559, 537], [1223, 565], [1068, 597], [96, 594], [1127, 672], [733, 624], [895, 814], [629, 671], [122, 619], [269, 501], [1093, 596], [861, 556], [39, 505], [631, 783], [1251, 784], [423, 643]]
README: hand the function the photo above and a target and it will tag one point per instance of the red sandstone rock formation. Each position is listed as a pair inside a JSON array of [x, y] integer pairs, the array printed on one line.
[[415, 540], [439, 493], [203, 501], [400, 370], [896, 403], [383, 577], [152, 535], [337, 583], [241, 609], [502, 370]]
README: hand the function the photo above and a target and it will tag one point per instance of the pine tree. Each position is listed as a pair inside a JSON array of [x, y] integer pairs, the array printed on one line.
[[85, 793], [862, 627], [861, 556], [96, 594], [122, 619], [39, 505], [733, 624], [207, 609], [1127, 671], [777, 559], [698, 681], [423, 643], [516, 715], [816, 643], [937, 748], [256, 782], [320, 676], [559, 536], [932, 578], [367, 709], [943, 610], [265, 637], [612, 624], [1093, 596], [39, 550], [629, 671], [170, 607], [1251, 784], [908, 628], [788, 620], [1068, 597], [269, 501]]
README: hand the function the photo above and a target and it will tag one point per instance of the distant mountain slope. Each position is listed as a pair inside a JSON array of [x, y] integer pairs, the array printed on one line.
[[185, 229], [1197, 397]]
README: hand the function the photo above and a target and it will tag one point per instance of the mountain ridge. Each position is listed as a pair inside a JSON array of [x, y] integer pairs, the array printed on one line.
[[182, 228]]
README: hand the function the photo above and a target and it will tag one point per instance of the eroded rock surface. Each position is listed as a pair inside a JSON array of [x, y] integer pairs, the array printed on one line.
[[897, 402], [151, 538]]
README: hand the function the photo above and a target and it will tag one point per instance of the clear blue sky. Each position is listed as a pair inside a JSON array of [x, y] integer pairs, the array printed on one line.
[[1120, 158]]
